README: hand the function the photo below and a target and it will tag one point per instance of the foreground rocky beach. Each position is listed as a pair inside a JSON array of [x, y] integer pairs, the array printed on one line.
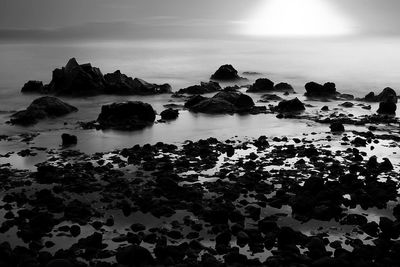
[[324, 198]]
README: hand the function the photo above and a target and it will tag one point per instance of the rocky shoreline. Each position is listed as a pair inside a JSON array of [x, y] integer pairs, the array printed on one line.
[[321, 199]]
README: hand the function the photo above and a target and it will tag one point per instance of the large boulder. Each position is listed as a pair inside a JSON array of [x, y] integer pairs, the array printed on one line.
[[226, 73], [76, 80], [318, 90], [129, 115], [293, 105], [119, 83], [222, 102], [262, 85], [387, 95], [387, 108], [134, 256], [169, 114], [283, 87], [203, 88], [42, 108], [32, 87]]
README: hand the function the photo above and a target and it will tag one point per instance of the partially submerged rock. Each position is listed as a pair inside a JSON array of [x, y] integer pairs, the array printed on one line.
[[337, 127], [42, 108], [270, 97], [293, 105], [261, 85], [203, 88], [32, 87], [68, 139], [121, 84], [387, 95], [226, 73], [129, 115], [169, 114], [84, 80], [222, 102], [388, 108], [283, 87], [328, 90]]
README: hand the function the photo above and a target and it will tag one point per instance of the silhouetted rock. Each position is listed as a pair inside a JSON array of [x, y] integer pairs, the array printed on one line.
[[337, 127], [203, 88], [222, 102], [347, 105], [42, 108], [226, 73], [169, 114], [317, 90], [32, 87], [68, 139], [134, 256], [129, 115], [118, 83], [283, 87], [270, 97], [388, 108], [76, 80], [387, 95], [261, 85], [293, 105]]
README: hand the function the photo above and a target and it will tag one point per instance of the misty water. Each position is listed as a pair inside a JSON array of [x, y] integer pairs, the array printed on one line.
[[356, 65]]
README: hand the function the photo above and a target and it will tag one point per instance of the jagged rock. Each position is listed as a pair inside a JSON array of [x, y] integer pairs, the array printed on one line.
[[32, 87], [129, 115], [261, 85], [118, 83], [76, 80], [317, 90], [169, 114], [203, 88], [293, 105], [42, 108], [226, 73]]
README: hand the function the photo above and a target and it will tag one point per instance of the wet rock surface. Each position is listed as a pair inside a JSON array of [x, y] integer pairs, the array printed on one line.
[[42, 108], [226, 73], [203, 88], [131, 115]]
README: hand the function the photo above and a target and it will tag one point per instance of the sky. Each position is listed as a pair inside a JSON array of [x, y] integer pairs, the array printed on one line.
[[23, 20]]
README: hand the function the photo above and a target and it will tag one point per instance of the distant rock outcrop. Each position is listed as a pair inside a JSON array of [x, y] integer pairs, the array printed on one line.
[[317, 90], [121, 84], [131, 115], [261, 85], [226, 73], [222, 102], [84, 80], [387, 95], [203, 88], [42, 108], [293, 105]]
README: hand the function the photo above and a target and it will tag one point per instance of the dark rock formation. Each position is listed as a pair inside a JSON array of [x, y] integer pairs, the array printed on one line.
[[317, 90], [270, 97], [222, 102], [41, 108], [118, 83], [84, 80], [129, 115], [337, 127], [169, 114], [32, 87], [262, 85], [69, 140], [388, 108], [226, 73], [387, 95], [76, 80], [283, 87], [293, 105], [134, 256], [203, 88]]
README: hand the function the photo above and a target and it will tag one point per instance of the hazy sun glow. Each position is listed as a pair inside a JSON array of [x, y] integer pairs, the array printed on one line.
[[297, 18]]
